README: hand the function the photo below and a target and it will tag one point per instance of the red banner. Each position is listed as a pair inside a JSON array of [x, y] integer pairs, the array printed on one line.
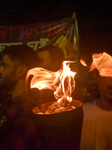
[[62, 33]]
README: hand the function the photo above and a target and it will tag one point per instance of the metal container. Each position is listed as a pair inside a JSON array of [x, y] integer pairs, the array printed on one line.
[[60, 131]]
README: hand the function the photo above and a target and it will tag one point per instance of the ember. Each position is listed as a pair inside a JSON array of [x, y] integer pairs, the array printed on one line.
[[56, 107]]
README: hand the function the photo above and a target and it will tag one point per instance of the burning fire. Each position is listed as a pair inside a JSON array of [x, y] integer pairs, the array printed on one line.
[[62, 82], [102, 62]]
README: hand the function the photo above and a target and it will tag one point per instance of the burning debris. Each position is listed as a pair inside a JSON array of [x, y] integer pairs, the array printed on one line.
[[55, 107], [61, 82]]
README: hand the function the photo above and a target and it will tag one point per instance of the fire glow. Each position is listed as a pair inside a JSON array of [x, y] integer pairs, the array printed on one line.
[[62, 82]]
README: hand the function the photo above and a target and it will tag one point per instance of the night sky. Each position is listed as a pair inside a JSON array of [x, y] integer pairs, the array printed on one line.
[[94, 19]]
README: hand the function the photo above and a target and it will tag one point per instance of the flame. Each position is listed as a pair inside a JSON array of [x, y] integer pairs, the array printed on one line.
[[102, 62], [61, 82], [83, 62]]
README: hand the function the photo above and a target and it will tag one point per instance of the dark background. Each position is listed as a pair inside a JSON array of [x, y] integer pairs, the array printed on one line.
[[94, 19]]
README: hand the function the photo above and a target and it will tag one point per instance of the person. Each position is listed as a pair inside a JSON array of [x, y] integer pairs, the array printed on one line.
[[51, 57], [17, 130], [97, 121], [3, 93]]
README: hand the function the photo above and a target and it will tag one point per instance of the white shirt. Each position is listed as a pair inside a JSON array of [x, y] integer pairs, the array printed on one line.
[[97, 128]]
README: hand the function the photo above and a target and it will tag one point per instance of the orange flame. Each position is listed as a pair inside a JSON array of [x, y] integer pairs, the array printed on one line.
[[103, 63], [83, 62], [61, 82]]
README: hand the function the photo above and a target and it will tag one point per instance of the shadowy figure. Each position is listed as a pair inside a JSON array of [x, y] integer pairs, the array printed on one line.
[[51, 57], [17, 130]]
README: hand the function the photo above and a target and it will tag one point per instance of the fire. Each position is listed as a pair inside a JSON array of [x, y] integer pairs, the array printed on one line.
[[83, 62], [103, 63], [62, 82]]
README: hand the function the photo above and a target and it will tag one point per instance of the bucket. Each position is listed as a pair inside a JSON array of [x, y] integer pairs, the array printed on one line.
[[60, 131]]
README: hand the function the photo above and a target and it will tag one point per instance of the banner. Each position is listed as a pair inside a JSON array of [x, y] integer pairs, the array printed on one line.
[[62, 33]]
